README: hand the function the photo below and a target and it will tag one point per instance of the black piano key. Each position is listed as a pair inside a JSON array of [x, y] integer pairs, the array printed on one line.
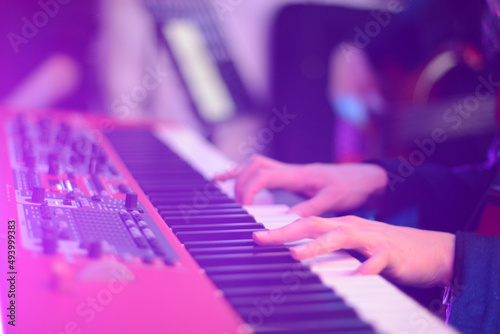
[[168, 193], [170, 190], [164, 171], [212, 227], [147, 161], [216, 235], [142, 169], [306, 329], [190, 199], [283, 313], [178, 187], [169, 175], [282, 298], [309, 326], [257, 279], [165, 195], [219, 243], [151, 183], [230, 259], [237, 250], [144, 164], [210, 219], [200, 207], [166, 213], [158, 200], [187, 181], [294, 287], [297, 267]]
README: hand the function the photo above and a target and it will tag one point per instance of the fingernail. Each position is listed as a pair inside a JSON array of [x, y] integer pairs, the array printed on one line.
[[295, 212], [301, 248], [260, 234], [356, 273], [297, 251]]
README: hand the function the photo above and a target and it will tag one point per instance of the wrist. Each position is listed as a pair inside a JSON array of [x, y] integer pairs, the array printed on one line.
[[447, 263], [379, 178]]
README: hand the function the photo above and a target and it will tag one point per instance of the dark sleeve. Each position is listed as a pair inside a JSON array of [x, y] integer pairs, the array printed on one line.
[[476, 284], [445, 199]]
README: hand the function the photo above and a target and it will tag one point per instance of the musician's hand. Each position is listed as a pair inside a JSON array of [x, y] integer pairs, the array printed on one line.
[[409, 256], [335, 187]]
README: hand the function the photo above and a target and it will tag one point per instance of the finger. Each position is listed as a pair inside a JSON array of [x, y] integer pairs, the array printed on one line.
[[300, 229], [266, 179], [229, 174], [258, 162], [315, 206], [340, 237], [375, 264], [261, 180]]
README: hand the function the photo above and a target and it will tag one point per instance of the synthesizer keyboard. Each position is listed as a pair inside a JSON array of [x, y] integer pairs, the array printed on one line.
[[115, 227]]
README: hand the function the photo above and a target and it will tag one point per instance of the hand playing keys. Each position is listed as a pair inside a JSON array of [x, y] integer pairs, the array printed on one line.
[[331, 187], [407, 255]]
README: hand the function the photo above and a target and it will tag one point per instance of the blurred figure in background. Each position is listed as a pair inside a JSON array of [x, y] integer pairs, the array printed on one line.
[[345, 71], [135, 73], [452, 203], [99, 56]]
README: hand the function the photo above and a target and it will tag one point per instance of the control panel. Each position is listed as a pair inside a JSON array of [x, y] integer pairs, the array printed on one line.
[[72, 198]]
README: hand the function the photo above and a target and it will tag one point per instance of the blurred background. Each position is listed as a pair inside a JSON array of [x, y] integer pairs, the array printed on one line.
[[301, 81]]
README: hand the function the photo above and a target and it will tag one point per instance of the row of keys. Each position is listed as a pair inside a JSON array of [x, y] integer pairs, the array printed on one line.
[[218, 234]]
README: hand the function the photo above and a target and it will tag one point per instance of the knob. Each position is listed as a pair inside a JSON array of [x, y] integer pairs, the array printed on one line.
[[62, 277], [53, 164], [49, 242], [63, 133], [93, 166], [27, 147], [131, 201], [30, 161], [82, 147], [38, 195], [49, 246], [95, 250], [20, 124]]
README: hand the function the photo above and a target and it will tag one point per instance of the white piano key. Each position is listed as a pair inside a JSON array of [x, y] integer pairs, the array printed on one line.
[[273, 222], [274, 209], [385, 307]]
